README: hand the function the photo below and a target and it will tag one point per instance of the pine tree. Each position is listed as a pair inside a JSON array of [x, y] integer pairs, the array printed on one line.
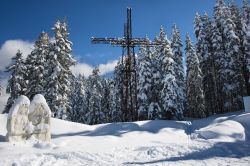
[[228, 57], [221, 60], [155, 109], [116, 91], [107, 100], [198, 25], [77, 100], [205, 54], [36, 66], [16, 84], [176, 45], [195, 96], [169, 85], [237, 18], [219, 66], [234, 86], [59, 62], [94, 90], [245, 20], [144, 81]]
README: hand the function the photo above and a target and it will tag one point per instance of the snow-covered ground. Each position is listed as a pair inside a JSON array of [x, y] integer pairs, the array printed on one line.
[[217, 140]]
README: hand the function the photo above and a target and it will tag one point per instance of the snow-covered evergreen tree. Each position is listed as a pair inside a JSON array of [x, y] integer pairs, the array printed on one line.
[[77, 100], [234, 87], [205, 54], [242, 54], [59, 62], [169, 85], [198, 25], [36, 66], [116, 88], [16, 84], [155, 109], [106, 101], [176, 45], [94, 92], [144, 81], [220, 60], [219, 67], [228, 56], [195, 96]]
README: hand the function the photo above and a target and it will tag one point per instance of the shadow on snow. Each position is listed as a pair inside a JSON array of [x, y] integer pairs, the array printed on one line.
[[118, 129], [221, 149]]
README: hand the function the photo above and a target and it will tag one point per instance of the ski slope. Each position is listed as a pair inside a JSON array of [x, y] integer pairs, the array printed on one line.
[[217, 140]]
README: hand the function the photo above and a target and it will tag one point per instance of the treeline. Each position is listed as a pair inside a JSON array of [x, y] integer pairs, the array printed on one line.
[[223, 53], [216, 79], [46, 70]]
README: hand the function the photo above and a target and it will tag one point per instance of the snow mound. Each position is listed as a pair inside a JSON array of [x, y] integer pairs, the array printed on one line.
[[227, 131], [21, 100]]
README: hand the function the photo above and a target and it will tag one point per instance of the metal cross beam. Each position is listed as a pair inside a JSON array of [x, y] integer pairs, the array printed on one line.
[[129, 80]]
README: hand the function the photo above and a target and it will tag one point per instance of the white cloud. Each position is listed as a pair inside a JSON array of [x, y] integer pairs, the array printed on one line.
[[9, 49], [86, 69], [82, 68], [108, 67]]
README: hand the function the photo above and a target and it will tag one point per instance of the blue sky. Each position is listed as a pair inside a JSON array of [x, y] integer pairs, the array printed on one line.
[[24, 20]]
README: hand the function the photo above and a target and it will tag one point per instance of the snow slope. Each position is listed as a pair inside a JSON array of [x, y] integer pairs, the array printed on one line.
[[217, 140]]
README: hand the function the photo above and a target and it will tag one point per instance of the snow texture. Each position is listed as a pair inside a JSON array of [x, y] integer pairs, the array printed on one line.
[[217, 140]]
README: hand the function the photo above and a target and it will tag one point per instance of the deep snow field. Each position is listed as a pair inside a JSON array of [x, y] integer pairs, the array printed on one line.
[[217, 140]]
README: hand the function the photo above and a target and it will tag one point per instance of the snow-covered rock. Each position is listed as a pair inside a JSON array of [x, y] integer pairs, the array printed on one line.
[[39, 115], [18, 122]]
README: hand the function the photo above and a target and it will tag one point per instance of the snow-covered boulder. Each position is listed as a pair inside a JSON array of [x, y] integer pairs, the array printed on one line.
[[39, 116], [18, 121]]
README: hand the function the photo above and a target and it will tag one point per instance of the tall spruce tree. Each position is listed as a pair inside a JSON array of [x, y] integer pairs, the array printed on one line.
[[155, 109], [219, 67], [169, 86], [234, 87], [221, 60], [195, 96], [144, 81], [94, 92], [205, 54], [176, 45], [59, 62], [115, 104], [16, 84], [36, 66], [77, 100], [231, 79], [106, 101], [237, 20]]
